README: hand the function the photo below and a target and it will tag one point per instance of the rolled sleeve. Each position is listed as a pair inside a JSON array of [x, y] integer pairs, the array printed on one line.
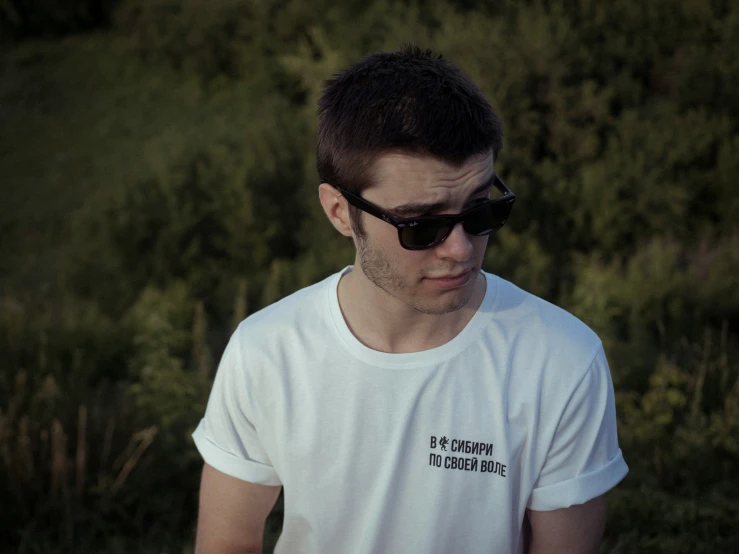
[[235, 466], [580, 489], [227, 437], [583, 460]]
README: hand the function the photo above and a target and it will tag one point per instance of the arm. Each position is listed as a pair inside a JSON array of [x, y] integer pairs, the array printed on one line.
[[232, 514], [574, 530]]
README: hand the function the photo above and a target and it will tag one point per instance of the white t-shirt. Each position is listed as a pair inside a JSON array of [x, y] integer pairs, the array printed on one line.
[[433, 452]]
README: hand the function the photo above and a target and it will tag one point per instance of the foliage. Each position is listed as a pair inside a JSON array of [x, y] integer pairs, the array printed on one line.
[[21, 19], [159, 185]]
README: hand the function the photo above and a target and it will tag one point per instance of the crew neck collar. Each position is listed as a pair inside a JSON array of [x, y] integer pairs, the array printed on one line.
[[411, 360]]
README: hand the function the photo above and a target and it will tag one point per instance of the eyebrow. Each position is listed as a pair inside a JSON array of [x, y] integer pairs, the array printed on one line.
[[413, 208]]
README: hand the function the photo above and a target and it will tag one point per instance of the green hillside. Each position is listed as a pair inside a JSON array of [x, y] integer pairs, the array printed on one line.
[[158, 184]]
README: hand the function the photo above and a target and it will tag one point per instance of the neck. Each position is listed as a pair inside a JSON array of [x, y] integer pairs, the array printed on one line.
[[387, 324]]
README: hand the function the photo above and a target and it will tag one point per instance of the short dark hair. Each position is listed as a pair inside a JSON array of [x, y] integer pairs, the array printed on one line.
[[411, 101]]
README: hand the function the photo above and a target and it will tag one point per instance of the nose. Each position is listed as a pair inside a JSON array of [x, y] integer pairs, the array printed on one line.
[[458, 245]]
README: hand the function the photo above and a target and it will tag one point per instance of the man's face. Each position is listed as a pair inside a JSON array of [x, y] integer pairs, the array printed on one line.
[[408, 186]]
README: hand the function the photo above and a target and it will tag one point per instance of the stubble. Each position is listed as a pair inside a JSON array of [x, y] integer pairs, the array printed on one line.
[[381, 272]]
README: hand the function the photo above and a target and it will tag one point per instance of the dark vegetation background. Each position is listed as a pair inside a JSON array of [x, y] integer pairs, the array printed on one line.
[[157, 185]]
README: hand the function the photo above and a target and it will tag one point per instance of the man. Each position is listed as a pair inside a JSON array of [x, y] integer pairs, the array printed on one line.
[[410, 403]]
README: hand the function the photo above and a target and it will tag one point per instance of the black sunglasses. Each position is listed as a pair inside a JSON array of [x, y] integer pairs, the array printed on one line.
[[423, 232]]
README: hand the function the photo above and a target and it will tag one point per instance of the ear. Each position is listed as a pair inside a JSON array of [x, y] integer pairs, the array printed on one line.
[[336, 208]]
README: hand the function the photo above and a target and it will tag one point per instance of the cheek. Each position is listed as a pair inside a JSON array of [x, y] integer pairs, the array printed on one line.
[[380, 233], [406, 263], [481, 243], [382, 240]]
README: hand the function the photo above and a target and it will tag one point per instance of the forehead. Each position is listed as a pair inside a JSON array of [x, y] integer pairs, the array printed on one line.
[[400, 178]]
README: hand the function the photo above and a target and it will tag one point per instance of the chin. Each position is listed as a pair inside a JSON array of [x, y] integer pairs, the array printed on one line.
[[442, 305]]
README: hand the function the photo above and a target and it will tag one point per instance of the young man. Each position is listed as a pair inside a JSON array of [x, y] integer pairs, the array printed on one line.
[[410, 403]]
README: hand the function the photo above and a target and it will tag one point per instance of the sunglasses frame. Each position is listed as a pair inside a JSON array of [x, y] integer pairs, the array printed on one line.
[[400, 223]]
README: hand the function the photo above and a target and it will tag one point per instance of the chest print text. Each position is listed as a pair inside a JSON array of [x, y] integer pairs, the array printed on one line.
[[464, 463]]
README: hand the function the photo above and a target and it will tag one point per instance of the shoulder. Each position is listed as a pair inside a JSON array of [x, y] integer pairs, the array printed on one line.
[[305, 310], [542, 339], [273, 341], [523, 311]]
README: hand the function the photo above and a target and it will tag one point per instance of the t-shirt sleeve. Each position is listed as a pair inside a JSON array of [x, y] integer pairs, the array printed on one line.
[[583, 460], [227, 437]]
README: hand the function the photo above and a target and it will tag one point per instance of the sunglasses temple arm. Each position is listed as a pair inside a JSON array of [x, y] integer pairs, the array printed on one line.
[[365, 206]]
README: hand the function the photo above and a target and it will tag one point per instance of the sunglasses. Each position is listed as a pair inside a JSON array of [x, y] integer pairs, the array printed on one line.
[[427, 231]]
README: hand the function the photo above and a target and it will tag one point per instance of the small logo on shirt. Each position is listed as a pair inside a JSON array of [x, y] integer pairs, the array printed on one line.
[[465, 463]]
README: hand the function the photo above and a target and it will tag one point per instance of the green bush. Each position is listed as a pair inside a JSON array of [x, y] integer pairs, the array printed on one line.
[[159, 185]]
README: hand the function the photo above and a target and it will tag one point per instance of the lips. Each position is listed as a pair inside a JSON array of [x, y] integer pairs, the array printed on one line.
[[448, 283], [455, 276]]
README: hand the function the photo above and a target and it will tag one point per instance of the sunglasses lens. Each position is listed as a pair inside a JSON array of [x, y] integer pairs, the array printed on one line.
[[487, 218], [424, 234], [482, 221]]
